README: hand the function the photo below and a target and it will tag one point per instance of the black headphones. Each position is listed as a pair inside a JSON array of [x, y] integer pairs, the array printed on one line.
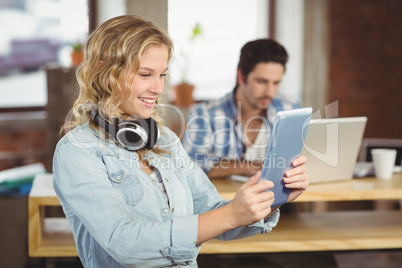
[[133, 134]]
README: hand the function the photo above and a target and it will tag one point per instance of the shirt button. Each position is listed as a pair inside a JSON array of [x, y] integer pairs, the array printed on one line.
[[118, 178], [166, 179], [166, 250], [165, 210], [172, 210]]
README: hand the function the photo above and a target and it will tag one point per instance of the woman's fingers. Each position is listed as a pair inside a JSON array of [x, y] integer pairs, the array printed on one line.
[[296, 171], [299, 161], [253, 202], [296, 179]]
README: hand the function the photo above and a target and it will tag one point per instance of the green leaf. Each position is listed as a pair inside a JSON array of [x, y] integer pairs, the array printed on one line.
[[197, 31]]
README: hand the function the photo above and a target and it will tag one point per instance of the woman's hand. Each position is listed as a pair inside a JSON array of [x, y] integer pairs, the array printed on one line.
[[296, 179], [252, 202]]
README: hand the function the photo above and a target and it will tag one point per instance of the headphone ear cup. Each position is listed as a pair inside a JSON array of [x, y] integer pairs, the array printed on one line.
[[138, 133], [131, 135]]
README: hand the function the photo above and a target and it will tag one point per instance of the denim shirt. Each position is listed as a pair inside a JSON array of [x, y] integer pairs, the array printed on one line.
[[120, 218]]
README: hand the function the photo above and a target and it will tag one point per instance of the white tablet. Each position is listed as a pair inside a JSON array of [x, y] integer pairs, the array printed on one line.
[[285, 145]]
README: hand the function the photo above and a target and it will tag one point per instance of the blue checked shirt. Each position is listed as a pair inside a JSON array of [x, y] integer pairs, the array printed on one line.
[[214, 130]]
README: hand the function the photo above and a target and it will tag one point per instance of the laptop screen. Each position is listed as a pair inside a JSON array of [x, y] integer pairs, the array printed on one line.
[[332, 148]]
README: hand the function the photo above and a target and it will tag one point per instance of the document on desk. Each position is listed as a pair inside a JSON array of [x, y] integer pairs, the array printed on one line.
[[14, 177], [239, 178]]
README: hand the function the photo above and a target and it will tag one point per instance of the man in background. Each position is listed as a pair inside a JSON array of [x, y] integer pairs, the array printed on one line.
[[230, 135]]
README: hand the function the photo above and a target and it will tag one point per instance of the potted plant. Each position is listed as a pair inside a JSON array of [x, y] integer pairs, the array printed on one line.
[[77, 54], [184, 90]]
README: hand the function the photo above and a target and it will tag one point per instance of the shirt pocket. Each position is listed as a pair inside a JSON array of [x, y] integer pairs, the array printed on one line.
[[127, 184]]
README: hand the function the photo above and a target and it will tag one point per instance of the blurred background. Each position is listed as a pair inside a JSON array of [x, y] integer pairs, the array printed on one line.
[[342, 51], [345, 54]]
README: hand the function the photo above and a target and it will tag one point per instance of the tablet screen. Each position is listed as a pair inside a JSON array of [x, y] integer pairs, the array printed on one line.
[[285, 145]]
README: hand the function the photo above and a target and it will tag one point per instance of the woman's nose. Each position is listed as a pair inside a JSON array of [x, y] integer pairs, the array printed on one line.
[[158, 86]]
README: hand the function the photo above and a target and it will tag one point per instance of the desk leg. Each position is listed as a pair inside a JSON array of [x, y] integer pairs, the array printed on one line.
[[50, 263], [385, 204], [321, 206], [34, 227], [72, 262]]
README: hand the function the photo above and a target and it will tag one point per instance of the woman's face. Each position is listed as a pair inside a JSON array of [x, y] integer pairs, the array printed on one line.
[[148, 83]]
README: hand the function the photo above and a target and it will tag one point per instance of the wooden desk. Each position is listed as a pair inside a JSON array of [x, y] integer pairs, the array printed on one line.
[[341, 230], [348, 190], [47, 237]]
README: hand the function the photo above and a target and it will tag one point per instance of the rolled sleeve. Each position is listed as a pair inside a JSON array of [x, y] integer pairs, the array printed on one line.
[[261, 227], [266, 225], [183, 248]]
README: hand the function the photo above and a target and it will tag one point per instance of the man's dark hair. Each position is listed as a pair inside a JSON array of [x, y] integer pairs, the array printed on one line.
[[261, 50]]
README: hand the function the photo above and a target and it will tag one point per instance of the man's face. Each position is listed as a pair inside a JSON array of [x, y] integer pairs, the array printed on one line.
[[261, 85]]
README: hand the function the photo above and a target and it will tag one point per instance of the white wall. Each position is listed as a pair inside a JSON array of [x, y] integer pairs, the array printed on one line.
[[155, 10], [214, 56], [262, 18], [289, 32], [108, 9]]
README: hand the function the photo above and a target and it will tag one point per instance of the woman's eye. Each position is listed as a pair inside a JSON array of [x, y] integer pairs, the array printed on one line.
[[145, 75], [164, 75]]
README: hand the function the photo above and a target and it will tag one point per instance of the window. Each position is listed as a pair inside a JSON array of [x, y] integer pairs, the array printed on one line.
[[33, 34], [213, 57]]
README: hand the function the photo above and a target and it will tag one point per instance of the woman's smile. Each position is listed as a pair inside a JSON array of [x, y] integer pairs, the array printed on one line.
[[148, 102]]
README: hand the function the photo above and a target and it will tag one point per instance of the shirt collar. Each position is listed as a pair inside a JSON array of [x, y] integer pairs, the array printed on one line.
[[229, 101]]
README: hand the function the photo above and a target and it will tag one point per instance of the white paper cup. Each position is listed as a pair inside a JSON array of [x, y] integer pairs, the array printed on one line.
[[384, 161]]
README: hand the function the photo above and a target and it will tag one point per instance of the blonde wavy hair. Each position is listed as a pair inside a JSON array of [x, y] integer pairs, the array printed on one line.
[[113, 54]]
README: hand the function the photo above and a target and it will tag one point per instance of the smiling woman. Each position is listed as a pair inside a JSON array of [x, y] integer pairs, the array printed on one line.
[[148, 205]]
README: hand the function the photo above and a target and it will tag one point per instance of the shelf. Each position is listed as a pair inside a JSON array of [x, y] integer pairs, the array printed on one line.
[[57, 240], [48, 237], [356, 230]]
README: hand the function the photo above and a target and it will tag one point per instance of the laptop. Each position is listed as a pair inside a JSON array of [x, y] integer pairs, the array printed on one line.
[[332, 147]]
